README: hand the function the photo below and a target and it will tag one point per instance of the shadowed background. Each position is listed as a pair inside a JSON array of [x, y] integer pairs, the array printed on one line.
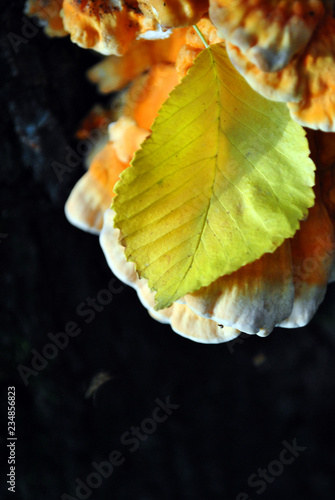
[[236, 405]]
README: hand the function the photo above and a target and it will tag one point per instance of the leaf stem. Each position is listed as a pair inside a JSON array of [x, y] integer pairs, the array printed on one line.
[[201, 36]]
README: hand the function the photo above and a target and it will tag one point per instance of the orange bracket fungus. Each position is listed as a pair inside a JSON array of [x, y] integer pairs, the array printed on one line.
[[48, 12], [285, 50], [210, 198]]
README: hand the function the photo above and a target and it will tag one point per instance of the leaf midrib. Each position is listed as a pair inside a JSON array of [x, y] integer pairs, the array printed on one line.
[[217, 79]]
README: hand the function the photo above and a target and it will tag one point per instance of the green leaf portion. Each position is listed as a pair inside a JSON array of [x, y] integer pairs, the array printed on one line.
[[224, 178]]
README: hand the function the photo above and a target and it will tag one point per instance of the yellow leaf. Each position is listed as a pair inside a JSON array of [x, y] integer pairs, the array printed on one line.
[[224, 178]]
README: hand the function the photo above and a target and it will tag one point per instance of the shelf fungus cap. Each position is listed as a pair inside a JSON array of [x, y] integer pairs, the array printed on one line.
[[286, 52], [267, 32], [306, 84], [313, 245], [94, 191], [182, 319], [253, 299], [113, 72], [316, 70], [108, 27], [127, 137], [313, 257], [174, 13], [48, 13]]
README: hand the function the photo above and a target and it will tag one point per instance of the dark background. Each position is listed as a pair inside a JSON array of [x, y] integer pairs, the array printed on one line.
[[236, 405]]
